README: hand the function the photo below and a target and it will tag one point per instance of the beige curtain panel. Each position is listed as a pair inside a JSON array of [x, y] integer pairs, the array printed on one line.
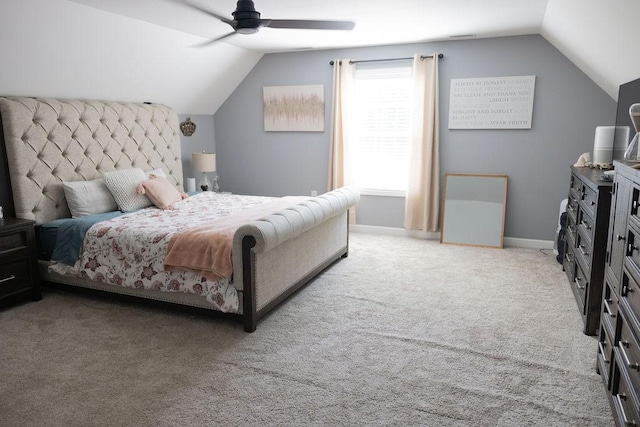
[[343, 81], [344, 73], [422, 202]]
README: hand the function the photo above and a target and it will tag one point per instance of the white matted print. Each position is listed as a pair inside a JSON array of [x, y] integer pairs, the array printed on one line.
[[294, 108], [492, 103]]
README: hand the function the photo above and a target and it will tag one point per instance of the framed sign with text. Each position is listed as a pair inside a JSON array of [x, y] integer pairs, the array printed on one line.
[[492, 103]]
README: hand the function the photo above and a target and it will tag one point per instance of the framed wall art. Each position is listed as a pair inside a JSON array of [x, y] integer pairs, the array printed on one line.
[[294, 108], [492, 103]]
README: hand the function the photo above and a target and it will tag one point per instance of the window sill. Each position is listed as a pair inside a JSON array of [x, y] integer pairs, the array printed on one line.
[[382, 193]]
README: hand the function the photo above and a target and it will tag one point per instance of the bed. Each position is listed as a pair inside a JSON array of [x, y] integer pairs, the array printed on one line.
[[275, 248]]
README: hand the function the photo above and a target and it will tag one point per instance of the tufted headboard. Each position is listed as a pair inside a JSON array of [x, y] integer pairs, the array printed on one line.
[[50, 141]]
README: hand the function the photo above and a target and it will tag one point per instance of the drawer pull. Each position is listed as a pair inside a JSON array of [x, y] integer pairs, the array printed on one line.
[[625, 421], [593, 203], [582, 249], [571, 208], [568, 257], [619, 237], [585, 225], [607, 307], [577, 281], [631, 249], [601, 348], [6, 279], [626, 358]]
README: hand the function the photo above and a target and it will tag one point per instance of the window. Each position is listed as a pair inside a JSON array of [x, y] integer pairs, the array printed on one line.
[[381, 137]]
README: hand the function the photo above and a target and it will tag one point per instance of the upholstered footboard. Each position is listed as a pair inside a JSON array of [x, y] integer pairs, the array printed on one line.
[[276, 255]]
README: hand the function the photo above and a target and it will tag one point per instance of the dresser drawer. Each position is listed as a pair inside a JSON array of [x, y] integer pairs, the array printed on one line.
[[14, 276], [575, 186], [13, 240], [589, 200], [629, 349], [634, 204], [583, 249], [605, 355], [572, 229], [572, 206], [569, 264], [580, 284], [632, 252], [630, 291], [609, 306], [585, 225], [625, 401]]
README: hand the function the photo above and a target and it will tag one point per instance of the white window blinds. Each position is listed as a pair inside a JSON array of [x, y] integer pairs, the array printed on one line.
[[382, 131]]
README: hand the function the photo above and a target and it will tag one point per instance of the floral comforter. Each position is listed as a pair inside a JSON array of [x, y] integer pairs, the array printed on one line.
[[129, 250]]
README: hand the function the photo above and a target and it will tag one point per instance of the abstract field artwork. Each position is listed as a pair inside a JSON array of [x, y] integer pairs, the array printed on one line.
[[294, 108]]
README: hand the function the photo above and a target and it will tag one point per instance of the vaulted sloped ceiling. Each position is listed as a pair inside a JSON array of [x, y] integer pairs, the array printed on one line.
[[141, 50], [58, 48], [600, 37]]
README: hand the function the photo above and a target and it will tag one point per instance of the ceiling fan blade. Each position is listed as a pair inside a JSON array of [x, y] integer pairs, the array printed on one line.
[[310, 25], [217, 39], [208, 12]]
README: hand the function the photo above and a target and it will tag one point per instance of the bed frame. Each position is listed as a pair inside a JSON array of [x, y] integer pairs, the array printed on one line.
[[49, 141]]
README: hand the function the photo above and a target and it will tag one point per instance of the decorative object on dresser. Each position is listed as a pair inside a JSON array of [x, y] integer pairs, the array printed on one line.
[[18, 261], [618, 354], [588, 206]]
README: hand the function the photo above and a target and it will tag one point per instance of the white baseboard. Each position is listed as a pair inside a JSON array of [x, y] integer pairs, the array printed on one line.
[[516, 242], [392, 231], [513, 242]]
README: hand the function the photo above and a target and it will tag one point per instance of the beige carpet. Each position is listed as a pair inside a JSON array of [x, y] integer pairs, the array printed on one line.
[[404, 332]]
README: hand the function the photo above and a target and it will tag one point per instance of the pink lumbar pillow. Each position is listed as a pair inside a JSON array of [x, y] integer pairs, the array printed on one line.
[[161, 192]]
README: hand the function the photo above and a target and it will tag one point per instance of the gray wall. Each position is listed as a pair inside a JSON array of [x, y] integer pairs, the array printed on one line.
[[567, 108]]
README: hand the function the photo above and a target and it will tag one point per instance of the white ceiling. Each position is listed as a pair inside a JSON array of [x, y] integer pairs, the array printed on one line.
[[599, 37], [377, 21]]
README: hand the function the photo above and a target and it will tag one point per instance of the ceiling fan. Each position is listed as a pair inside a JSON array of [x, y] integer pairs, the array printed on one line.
[[246, 20]]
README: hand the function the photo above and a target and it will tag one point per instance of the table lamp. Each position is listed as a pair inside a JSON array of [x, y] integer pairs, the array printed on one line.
[[204, 162]]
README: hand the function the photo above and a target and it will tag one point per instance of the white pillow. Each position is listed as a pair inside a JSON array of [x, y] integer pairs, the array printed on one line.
[[123, 185], [88, 198]]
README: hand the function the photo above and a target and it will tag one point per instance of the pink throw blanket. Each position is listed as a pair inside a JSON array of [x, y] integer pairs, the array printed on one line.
[[206, 249]]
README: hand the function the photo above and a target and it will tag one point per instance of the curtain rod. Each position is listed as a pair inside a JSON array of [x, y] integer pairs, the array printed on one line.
[[440, 55]]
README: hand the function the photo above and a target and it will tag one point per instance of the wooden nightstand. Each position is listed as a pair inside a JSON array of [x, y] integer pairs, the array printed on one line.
[[18, 261]]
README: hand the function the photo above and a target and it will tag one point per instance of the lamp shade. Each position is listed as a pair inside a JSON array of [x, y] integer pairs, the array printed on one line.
[[204, 162]]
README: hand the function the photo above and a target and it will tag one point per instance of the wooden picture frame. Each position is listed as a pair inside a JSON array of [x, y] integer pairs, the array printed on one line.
[[473, 210]]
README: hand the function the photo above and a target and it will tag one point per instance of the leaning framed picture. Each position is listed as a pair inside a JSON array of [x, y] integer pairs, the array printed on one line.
[[294, 108]]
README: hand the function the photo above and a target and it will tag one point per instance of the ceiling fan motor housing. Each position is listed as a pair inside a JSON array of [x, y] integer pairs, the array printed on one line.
[[246, 17]]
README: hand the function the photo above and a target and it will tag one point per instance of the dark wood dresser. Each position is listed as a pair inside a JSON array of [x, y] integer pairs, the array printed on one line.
[[588, 206], [18, 261], [618, 355]]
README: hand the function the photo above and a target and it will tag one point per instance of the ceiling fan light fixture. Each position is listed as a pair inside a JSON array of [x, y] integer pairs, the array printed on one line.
[[247, 30], [246, 20]]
